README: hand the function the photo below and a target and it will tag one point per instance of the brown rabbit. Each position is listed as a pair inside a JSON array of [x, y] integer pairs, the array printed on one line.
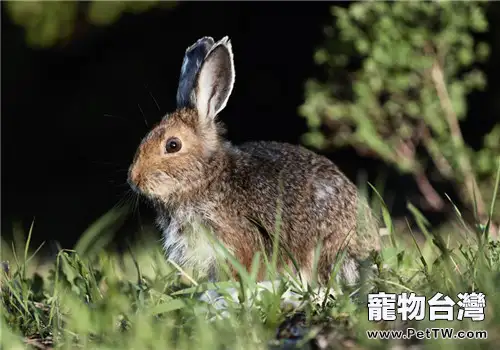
[[198, 180]]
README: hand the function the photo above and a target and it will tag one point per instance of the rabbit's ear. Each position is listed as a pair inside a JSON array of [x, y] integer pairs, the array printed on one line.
[[193, 59], [215, 80]]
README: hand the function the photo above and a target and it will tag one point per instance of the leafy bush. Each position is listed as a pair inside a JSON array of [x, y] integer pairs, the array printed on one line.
[[48, 23], [397, 76]]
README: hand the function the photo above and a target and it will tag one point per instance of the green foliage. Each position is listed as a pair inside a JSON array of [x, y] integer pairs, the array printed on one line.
[[397, 78], [48, 23], [94, 299], [485, 160]]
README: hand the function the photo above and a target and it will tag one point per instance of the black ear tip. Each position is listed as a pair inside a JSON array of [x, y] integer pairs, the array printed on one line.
[[193, 58], [206, 42], [196, 53]]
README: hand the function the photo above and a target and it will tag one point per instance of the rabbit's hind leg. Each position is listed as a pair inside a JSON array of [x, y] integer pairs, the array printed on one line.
[[349, 271]]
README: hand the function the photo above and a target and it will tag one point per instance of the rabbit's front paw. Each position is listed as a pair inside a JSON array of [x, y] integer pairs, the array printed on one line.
[[218, 302]]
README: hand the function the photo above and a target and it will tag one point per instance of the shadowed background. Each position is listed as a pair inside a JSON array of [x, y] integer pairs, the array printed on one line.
[[73, 114]]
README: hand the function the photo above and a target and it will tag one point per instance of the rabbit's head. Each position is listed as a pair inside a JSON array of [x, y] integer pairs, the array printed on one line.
[[179, 155]]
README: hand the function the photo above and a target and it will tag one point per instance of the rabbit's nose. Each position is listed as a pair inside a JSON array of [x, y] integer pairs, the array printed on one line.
[[134, 177]]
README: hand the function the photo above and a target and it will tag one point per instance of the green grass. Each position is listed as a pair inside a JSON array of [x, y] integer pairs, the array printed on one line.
[[90, 298]]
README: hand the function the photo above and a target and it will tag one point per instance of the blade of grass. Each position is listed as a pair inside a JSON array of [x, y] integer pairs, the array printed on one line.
[[493, 201], [101, 232], [422, 258], [386, 216], [27, 247], [171, 305], [421, 221]]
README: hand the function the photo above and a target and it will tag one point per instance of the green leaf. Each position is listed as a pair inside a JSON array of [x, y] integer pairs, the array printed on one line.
[[478, 20], [169, 306], [103, 13], [466, 56], [482, 51], [314, 139]]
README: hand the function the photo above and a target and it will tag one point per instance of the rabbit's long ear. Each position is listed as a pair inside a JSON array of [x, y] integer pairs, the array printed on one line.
[[193, 59], [215, 80]]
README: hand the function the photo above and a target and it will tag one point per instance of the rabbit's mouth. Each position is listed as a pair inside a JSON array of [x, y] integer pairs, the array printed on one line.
[[139, 187]]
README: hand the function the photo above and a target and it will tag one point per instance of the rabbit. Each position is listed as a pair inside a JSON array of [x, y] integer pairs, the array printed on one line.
[[199, 181]]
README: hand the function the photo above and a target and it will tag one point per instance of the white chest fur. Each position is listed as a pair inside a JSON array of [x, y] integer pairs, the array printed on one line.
[[189, 241]]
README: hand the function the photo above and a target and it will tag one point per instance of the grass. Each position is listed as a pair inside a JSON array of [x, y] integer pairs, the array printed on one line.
[[89, 298]]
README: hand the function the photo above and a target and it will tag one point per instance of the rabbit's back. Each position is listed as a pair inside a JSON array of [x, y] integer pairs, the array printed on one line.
[[309, 185], [306, 182], [314, 200]]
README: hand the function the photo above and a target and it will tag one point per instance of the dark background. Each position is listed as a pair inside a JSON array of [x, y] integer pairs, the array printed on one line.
[[72, 116]]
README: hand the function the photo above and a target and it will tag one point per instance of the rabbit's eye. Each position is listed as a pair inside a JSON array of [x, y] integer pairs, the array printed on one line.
[[173, 145]]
